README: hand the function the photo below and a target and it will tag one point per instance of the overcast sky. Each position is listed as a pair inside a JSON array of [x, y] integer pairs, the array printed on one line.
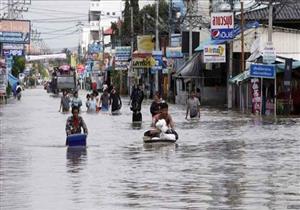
[[56, 20]]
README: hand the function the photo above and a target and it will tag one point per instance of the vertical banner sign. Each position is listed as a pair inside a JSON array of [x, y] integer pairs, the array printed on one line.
[[157, 55], [256, 97], [222, 25], [122, 56], [287, 82]]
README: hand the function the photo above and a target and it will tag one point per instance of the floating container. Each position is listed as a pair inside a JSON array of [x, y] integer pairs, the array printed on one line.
[[76, 140]]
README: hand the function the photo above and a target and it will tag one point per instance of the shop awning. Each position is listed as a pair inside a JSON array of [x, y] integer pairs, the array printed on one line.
[[191, 68], [208, 42], [246, 74], [12, 81], [281, 66], [240, 77]]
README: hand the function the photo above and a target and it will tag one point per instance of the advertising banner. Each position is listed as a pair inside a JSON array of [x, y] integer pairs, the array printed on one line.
[[174, 52], [15, 31], [95, 48], [3, 78], [157, 55], [145, 44], [222, 25], [122, 56], [123, 53], [8, 46], [256, 98], [214, 53], [176, 40], [12, 52], [143, 62]]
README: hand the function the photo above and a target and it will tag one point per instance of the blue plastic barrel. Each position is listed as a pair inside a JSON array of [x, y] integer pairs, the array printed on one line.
[[76, 140]]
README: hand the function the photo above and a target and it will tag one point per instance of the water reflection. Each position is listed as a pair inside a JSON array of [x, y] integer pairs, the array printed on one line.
[[76, 157], [227, 165]]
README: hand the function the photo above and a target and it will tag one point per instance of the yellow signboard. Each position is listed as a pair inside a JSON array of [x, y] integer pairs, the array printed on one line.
[[145, 43], [147, 62]]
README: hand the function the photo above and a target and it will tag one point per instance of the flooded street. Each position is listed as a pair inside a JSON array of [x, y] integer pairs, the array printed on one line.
[[225, 161]]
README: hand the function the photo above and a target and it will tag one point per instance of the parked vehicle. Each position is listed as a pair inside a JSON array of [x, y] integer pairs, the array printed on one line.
[[63, 78]]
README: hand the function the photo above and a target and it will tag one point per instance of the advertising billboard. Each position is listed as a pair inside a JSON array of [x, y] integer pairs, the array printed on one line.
[[222, 25], [15, 31], [214, 53], [122, 55], [145, 44]]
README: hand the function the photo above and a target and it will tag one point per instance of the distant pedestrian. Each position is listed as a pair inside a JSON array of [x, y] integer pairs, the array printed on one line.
[[193, 107], [104, 101], [115, 101], [136, 99], [92, 104], [198, 94], [65, 102], [76, 101]]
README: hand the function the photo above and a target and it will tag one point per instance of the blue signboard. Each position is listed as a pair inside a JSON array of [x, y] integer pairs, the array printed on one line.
[[14, 37], [262, 71], [95, 48], [13, 52]]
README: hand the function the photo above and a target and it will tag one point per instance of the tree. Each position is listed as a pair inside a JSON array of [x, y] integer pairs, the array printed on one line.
[[125, 29], [149, 13], [18, 65]]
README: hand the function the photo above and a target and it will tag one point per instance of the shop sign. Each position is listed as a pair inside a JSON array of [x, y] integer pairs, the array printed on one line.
[[15, 31], [256, 98], [262, 71], [147, 62], [174, 52], [214, 53], [95, 48], [3, 79], [122, 56], [12, 52], [8, 46], [157, 55], [269, 54], [145, 43], [222, 25]]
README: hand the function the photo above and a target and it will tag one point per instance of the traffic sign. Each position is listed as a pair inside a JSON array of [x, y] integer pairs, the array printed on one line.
[[262, 71]]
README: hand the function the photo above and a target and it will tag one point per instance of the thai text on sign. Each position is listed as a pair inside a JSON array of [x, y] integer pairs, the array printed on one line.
[[222, 20]]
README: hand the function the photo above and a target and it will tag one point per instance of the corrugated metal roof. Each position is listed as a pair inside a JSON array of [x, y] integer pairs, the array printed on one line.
[[281, 12]]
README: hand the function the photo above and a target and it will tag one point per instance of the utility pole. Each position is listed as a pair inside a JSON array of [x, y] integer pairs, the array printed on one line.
[[170, 21], [242, 37], [190, 31], [230, 68], [242, 64], [156, 27], [10, 9], [270, 31], [131, 40]]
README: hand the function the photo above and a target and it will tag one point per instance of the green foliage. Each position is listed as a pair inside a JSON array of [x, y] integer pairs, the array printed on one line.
[[149, 13], [142, 19], [115, 77], [18, 65], [8, 90]]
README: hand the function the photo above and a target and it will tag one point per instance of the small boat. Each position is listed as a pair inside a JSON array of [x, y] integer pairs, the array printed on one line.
[[148, 139], [76, 140], [160, 138]]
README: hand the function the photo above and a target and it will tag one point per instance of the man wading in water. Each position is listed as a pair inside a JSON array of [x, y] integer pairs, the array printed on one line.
[[193, 107]]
